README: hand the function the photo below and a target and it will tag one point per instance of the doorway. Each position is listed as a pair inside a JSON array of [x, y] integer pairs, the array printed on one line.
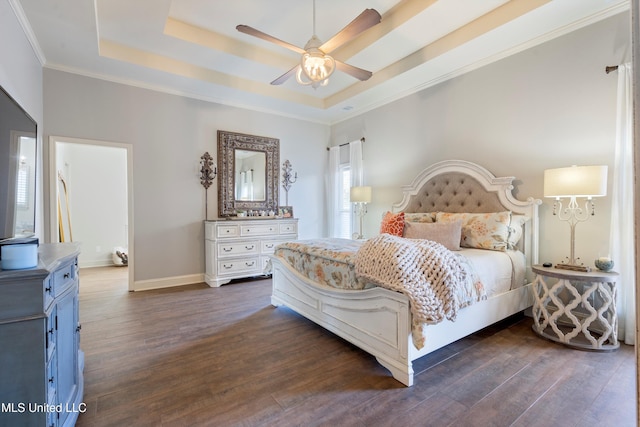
[[91, 201]]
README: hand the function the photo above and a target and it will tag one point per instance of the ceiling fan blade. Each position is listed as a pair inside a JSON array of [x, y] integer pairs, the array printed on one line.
[[283, 78], [367, 19], [264, 36], [356, 72]]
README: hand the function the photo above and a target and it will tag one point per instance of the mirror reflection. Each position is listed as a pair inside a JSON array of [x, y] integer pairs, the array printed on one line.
[[250, 175]]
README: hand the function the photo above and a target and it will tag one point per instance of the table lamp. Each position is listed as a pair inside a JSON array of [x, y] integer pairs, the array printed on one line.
[[572, 183], [360, 196]]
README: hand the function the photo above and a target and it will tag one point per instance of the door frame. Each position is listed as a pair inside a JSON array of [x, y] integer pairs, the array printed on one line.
[[53, 192]]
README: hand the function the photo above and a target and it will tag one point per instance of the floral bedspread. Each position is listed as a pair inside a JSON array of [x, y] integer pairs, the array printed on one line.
[[329, 262]]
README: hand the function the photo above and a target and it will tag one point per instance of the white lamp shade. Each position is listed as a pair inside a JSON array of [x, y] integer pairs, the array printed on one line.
[[360, 194], [576, 181]]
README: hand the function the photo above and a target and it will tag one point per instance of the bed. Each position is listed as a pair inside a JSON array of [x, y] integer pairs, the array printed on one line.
[[380, 320]]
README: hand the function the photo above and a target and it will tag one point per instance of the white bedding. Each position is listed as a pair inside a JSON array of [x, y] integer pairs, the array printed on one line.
[[498, 271]]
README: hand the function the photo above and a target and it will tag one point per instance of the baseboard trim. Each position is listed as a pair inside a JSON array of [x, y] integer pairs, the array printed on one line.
[[167, 282], [95, 263]]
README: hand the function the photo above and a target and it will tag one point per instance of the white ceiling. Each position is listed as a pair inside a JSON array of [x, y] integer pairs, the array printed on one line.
[[191, 47]]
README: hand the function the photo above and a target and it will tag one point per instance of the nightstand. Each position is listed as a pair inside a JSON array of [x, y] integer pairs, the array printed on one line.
[[577, 309]]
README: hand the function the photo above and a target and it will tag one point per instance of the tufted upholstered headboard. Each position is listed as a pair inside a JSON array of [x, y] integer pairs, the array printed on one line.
[[453, 192], [462, 186]]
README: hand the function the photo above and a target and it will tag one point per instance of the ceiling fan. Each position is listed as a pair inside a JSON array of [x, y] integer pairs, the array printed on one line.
[[316, 65]]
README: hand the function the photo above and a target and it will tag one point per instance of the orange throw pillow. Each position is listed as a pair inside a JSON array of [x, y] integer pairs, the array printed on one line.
[[392, 224]]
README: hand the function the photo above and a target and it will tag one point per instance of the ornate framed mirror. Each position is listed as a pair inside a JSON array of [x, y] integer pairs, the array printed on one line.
[[248, 173]]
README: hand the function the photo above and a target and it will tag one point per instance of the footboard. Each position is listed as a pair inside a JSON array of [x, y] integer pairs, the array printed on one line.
[[377, 320]]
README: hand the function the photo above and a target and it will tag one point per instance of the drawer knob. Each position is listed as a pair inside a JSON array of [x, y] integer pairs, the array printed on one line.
[[250, 264], [47, 289], [51, 380], [66, 275], [227, 249], [227, 266], [249, 247]]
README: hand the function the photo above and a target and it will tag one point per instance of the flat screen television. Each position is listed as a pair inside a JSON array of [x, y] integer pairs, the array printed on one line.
[[17, 171]]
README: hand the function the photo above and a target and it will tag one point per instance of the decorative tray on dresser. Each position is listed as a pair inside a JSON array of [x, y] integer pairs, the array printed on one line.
[[239, 248]]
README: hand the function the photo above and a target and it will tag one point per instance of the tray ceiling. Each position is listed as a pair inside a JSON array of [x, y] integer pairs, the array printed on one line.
[[191, 47]]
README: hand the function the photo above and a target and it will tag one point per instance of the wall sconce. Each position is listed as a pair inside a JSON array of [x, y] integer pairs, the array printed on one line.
[[208, 173], [573, 182], [360, 196], [287, 179]]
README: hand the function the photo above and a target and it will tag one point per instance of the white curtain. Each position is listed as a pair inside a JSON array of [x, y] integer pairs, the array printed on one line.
[[622, 212], [355, 161], [333, 192], [357, 174]]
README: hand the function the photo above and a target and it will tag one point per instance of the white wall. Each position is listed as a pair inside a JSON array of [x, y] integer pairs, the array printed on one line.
[[96, 178], [21, 77], [169, 134], [550, 106]]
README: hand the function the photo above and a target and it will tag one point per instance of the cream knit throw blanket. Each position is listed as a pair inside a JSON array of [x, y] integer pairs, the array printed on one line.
[[423, 270]]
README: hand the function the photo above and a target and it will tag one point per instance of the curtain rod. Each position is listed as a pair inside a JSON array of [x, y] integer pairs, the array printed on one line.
[[610, 68], [346, 143]]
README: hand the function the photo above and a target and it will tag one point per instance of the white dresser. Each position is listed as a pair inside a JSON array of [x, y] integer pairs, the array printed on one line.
[[41, 364], [240, 248]]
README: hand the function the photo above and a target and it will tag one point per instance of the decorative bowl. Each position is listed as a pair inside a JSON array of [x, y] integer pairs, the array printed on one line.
[[604, 264]]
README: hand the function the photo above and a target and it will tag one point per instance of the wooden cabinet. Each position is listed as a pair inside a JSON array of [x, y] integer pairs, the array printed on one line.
[[41, 364], [240, 248]]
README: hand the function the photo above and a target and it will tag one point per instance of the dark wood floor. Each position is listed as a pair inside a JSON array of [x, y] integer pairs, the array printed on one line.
[[200, 356]]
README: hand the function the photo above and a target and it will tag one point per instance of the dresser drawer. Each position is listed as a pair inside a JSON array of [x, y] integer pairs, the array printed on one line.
[[288, 228], [268, 246], [63, 278], [233, 266], [227, 230], [259, 229], [230, 249]]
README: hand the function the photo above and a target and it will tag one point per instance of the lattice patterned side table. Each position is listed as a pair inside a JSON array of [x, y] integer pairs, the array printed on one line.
[[576, 309]]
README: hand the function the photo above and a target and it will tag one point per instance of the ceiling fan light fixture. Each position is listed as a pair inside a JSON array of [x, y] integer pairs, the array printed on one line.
[[315, 64], [315, 68]]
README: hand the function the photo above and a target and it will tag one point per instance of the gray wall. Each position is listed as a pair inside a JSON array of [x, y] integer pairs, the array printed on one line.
[[169, 134], [549, 106]]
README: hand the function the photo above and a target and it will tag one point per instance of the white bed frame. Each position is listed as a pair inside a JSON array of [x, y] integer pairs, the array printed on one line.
[[378, 320]]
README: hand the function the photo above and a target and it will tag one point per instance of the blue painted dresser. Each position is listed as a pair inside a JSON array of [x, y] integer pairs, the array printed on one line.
[[41, 364]]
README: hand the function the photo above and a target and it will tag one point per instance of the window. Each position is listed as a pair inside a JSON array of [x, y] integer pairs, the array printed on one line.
[[344, 209], [22, 189]]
